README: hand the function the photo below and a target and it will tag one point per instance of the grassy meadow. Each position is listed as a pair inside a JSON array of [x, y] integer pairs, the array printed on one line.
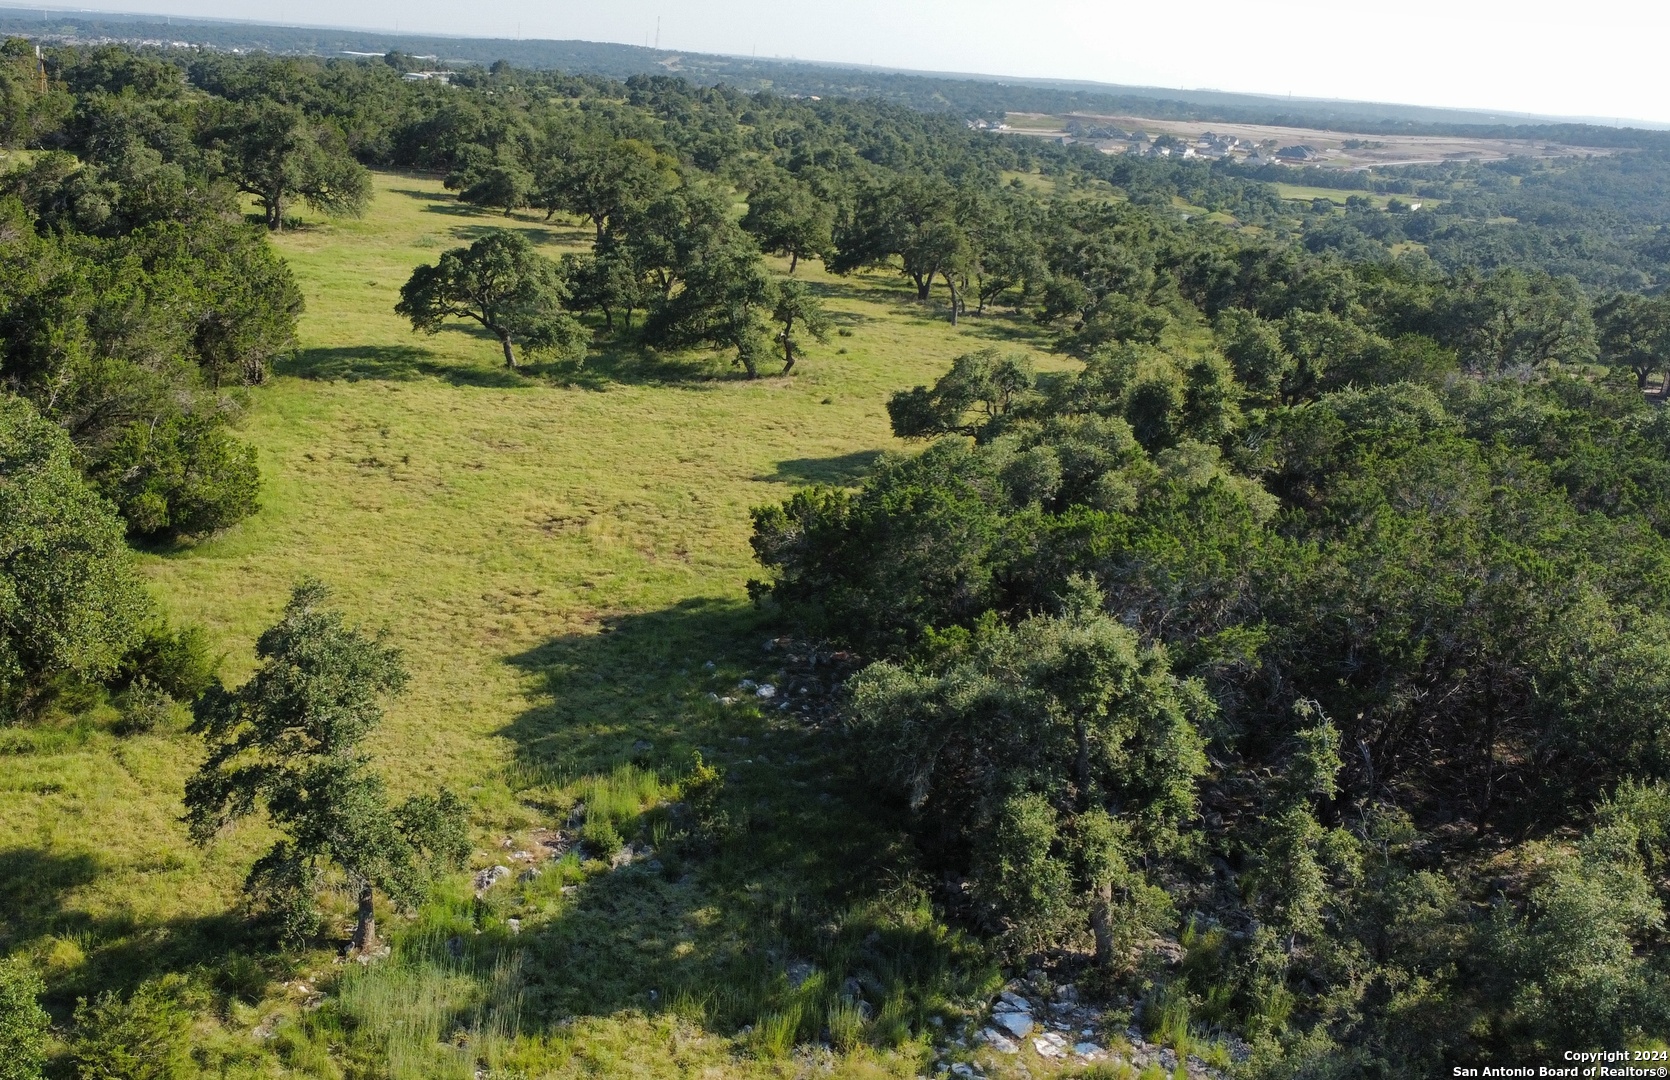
[[561, 552]]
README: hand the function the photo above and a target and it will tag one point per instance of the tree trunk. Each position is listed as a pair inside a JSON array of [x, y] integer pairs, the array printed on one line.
[[365, 931], [1101, 924], [794, 261], [275, 213], [923, 284], [509, 355], [788, 352], [949, 284]]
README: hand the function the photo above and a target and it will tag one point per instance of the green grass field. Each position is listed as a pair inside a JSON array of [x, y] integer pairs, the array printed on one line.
[[559, 552], [1304, 193]]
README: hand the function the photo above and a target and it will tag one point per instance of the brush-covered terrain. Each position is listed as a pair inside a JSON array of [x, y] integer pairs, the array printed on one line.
[[547, 577]]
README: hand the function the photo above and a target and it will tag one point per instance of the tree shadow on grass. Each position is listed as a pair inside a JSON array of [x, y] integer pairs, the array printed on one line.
[[798, 863], [612, 361], [539, 235], [393, 363], [620, 360], [843, 470], [597, 694], [114, 952], [34, 886]]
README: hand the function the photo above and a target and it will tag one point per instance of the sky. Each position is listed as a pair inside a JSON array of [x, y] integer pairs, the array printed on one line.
[[1598, 58]]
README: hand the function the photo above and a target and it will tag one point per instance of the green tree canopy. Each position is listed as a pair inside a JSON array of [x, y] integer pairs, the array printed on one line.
[[1635, 334], [796, 312], [1054, 757], [500, 282], [602, 180], [278, 154], [726, 297], [787, 217], [290, 743], [70, 602]]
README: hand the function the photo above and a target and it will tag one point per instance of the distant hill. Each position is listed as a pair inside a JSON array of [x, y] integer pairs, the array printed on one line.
[[969, 95]]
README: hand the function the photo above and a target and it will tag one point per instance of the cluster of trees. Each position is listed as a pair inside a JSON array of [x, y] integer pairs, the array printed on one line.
[[135, 301], [1316, 616], [1327, 635]]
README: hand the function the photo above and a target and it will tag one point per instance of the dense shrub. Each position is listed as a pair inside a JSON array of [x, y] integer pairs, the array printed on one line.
[[70, 603]]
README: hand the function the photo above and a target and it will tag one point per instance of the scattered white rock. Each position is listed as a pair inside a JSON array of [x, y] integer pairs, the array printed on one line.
[[621, 858], [1015, 1001], [373, 954], [1088, 1050], [515, 925], [746, 684], [1018, 1024], [490, 877], [522, 856], [766, 691], [998, 1041], [964, 1069], [1050, 1046]]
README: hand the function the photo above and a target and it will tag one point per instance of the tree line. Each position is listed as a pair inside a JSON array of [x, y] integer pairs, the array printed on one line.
[[1325, 638], [1314, 616]]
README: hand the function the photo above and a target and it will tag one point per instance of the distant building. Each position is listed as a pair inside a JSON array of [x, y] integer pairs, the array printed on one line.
[[1300, 152], [429, 76]]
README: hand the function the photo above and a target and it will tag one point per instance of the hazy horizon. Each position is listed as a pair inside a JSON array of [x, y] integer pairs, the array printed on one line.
[[1527, 57]]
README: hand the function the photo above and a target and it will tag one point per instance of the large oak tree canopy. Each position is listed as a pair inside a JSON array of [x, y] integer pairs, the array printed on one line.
[[502, 283], [278, 154]]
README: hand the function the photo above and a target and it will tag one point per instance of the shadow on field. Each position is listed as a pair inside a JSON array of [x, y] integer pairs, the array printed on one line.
[[34, 885], [392, 363], [113, 952], [613, 362], [619, 360], [843, 470], [540, 234], [794, 866], [601, 692]]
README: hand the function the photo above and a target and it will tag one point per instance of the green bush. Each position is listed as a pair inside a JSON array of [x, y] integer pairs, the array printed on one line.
[[22, 1022], [176, 661], [184, 476], [146, 707], [146, 1037], [69, 599], [600, 836]]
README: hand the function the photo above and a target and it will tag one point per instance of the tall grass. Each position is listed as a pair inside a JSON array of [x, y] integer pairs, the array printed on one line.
[[622, 794], [431, 1011]]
